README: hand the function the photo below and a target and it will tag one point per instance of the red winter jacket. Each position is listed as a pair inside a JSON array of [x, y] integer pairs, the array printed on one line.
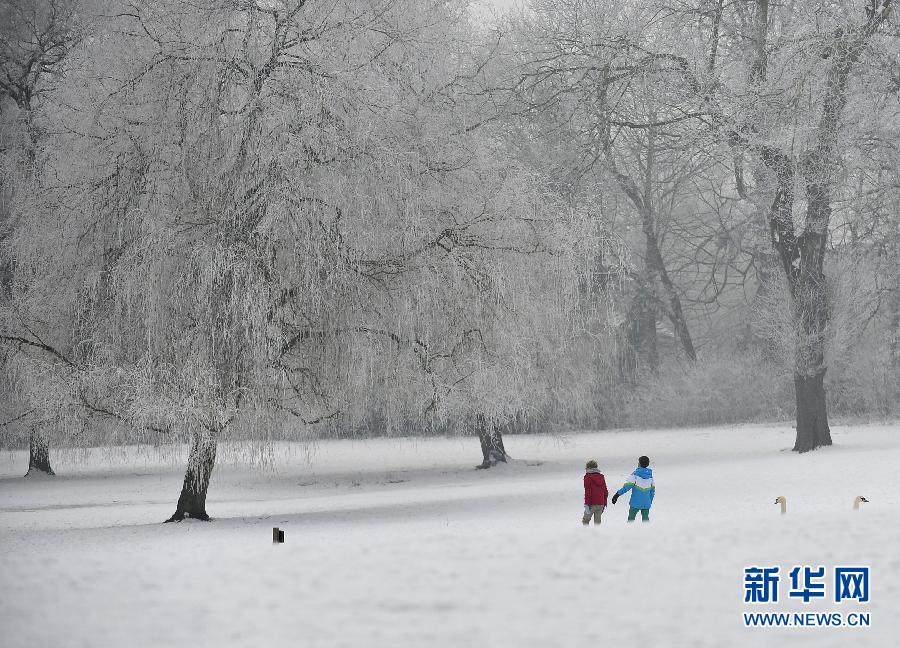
[[595, 491]]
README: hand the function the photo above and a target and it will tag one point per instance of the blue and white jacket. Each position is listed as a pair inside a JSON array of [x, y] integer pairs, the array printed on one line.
[[642, 488]]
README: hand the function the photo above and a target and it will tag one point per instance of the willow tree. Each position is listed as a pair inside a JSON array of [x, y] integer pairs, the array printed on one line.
[[35, 40], [267, 208]]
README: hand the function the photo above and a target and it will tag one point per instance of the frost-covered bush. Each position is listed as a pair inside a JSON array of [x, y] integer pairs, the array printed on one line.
[[866, 384], [721, 388]]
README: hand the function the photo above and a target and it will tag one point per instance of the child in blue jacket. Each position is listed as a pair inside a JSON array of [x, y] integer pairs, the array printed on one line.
[[642, 488]]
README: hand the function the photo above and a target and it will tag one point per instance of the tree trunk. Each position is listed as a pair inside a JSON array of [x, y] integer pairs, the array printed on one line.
[[894, 328], [654, 259], [202, 459], [642, 327], [810, 314], [714, 39], [812, 417], [675, 311], [491, 442], [766, 268], [39, 454], [802, 259]]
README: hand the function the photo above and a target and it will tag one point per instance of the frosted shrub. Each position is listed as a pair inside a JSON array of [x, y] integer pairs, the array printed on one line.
[[721, 388]]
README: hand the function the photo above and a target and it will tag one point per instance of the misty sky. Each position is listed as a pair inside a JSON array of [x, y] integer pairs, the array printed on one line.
[[497, 4]]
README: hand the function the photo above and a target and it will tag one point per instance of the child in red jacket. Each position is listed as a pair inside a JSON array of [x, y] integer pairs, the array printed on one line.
[[595, 493]]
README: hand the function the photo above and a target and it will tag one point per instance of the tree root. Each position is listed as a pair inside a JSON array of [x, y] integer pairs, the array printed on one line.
[[178, 516]]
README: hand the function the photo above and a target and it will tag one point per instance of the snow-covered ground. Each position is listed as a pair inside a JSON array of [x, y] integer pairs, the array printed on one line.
[[401, 543]]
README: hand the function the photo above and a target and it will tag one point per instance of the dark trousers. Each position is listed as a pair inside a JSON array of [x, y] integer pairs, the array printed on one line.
[[632, 512]]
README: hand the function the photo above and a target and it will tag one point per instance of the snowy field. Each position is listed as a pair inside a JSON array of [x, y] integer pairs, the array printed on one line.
[[402, 543]]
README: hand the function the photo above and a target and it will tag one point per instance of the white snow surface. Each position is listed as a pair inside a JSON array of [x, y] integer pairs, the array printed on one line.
[[395, 543]]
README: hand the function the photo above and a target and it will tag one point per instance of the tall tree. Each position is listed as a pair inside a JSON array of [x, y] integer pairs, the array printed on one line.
[[808, 178], [776, 105], [35, 39], [611, 102], [286, 205]]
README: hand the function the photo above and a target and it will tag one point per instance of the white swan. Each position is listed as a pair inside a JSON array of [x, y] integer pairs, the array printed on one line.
[[859, 498]]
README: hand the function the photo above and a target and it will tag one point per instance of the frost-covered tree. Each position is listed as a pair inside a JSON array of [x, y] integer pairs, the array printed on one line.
[[780, 94], [791, 105], [629, 128], [272, 215], [35, 40]]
